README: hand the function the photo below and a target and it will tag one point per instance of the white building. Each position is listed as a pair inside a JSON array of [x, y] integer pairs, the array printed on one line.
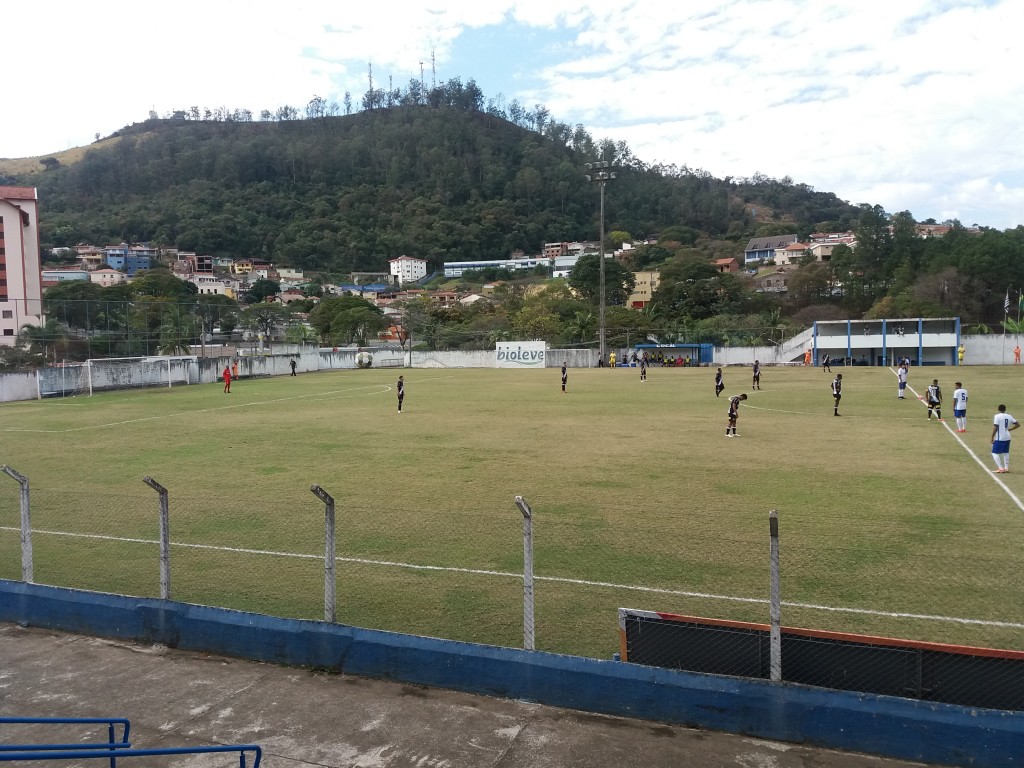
[[21, 290], [408, 269], [214, 285], [107, 277]]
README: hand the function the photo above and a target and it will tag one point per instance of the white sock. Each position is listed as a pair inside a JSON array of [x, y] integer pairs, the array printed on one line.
[[997, 460]]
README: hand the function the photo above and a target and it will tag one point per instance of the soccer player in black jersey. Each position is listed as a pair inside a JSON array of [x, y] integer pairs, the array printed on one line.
[[734, 413], [719, 384]]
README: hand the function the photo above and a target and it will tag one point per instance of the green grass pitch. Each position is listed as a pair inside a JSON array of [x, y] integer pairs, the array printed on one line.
[[639, 500]]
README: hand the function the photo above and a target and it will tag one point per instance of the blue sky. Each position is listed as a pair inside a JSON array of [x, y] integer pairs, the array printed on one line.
[[912, 105]]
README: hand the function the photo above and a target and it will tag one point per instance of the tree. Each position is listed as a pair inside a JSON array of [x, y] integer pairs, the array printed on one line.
[[346, 320], [690, 289], [300, 333], [809, 285], [214, 311], [74, 303], [261, 290], [617, 237], [50, 339], [585, 279], [582, 328], [162, 284], [263, 320]]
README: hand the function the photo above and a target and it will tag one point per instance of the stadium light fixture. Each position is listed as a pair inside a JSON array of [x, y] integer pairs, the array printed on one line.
[[601, 173]]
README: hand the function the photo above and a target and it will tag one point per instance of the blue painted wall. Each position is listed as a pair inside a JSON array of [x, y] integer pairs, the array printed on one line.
[[902, 728]]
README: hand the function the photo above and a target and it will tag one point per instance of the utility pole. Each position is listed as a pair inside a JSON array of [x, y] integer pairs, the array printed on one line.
[[601, 174]]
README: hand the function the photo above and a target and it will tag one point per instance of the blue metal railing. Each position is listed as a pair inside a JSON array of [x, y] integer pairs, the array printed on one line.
[[123, 754], [112, 741]]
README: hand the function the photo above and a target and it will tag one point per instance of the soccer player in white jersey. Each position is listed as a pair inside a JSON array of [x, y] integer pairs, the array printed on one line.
[[960, 407], [901, 377], [1002, 426]]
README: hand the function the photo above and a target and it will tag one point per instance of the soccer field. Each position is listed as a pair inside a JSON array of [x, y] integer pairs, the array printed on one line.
[[890, 524]]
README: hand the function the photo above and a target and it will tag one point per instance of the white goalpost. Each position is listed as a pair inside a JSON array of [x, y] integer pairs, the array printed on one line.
[[112, 373]]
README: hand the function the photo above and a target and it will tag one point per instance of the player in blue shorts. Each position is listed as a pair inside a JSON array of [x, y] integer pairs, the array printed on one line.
[[901, 377], [1002, 426], [960, 407]]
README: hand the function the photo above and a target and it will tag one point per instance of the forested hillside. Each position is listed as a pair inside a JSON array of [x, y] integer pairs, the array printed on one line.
[[348, 192], [439, 175]]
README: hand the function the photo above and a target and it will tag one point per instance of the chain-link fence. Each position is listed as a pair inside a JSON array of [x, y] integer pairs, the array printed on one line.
[[551, 579]]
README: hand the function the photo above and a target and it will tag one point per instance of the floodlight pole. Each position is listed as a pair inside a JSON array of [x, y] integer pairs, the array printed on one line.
[[601, 175]]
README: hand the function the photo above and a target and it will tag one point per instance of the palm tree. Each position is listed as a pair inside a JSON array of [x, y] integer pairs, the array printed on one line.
[[51, 338], [582, 327], [1016, 327], [300, 333]]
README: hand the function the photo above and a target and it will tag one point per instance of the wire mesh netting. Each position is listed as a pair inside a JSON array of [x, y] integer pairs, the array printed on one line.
[[454, 570]]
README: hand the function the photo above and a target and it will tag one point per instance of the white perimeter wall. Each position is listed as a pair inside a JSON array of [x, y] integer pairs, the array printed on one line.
[[17, 386], [980, 350]]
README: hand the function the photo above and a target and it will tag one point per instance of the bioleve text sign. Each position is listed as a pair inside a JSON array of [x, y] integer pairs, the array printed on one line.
[[521, 354]]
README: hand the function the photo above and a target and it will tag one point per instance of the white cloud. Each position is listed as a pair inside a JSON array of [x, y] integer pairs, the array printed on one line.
[[913, 105]]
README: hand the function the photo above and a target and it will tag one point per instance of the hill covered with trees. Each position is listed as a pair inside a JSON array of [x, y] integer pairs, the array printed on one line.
[[444, 174], [440, 175]]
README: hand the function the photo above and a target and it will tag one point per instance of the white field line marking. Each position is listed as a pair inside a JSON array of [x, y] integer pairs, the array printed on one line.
[[998, 480], [316, 396], [556, 579], [806, 413]]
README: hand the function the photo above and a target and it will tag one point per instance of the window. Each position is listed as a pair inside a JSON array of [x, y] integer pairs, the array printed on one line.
[[8, 314], [8, 331]]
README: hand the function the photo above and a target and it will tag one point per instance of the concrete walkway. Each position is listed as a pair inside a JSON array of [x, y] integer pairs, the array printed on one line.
[[307, 718]]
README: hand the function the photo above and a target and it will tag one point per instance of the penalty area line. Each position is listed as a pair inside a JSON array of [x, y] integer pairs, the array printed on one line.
[[553, 579]]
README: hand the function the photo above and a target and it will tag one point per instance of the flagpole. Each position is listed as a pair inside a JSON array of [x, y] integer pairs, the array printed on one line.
[[1006, 316]]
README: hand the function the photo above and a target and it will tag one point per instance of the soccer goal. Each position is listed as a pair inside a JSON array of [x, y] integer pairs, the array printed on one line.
[[111, 373]]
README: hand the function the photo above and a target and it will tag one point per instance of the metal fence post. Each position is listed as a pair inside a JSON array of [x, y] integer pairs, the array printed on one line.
[[165, 538], [26, 524], [528, 625], [329, 560], [775, 641]]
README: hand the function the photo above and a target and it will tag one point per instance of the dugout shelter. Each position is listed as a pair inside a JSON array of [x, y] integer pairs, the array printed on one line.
[[699, 354], [926, 341]]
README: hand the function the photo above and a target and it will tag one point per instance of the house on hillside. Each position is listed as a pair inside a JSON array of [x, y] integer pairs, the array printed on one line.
[[760, 249], [791, 254], [727, 265], [645, 284], [772, 281], [408, 269], [107, 277]]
